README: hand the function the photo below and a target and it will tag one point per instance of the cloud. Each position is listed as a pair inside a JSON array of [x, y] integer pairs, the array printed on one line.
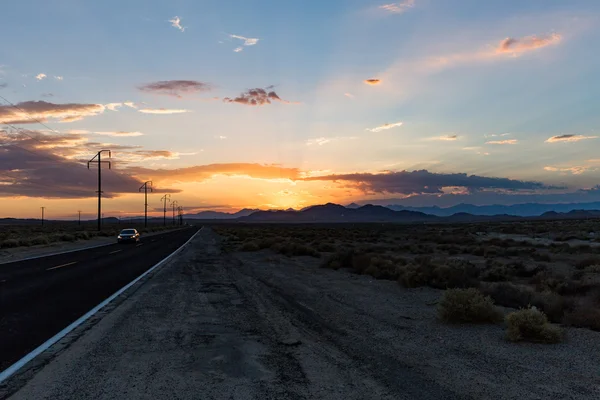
[[247, 42], [421, 182], [3, 85], [575, 170], [120, 133], [256, 97], [176, 88], [398, 8], [130, 104], [372, 81], [39, 77], [31, 168], [58, 78], [77, 131], [113, 106], [445, 138], [385, 127], [176, 23], [320, 141], [162, 111], [503, 142], [29, 111], [323, 140], [221, 137], [569, 138], [47, 95], [477, 150], [202, 173], [517, 46], [349, 95]]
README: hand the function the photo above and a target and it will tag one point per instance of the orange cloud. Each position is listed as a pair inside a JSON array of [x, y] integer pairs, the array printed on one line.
[[162, 111], [446, 138], [373, 81], [576, 170], [204, 172], [503, 142], [29, 111], [515, 46], [385, 127], [569, 138]]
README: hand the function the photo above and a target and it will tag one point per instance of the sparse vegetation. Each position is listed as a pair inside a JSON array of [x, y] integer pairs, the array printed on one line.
[[468, 306], [531, 324], [517, 264]]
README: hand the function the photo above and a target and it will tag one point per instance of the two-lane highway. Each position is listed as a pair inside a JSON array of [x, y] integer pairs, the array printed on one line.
[[40, 297]]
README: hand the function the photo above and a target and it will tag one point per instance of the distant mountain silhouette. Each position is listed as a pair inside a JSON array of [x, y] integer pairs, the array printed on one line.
[[220, 215], [521, 210], [336, 213]]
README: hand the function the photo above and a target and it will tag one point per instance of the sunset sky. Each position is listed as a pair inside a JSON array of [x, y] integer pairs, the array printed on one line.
[[274, 104]]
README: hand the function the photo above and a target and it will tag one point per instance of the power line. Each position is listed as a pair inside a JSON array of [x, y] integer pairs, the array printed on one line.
[[145, 187], [99, 162]]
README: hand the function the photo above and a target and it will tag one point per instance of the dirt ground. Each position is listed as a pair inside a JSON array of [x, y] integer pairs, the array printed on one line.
[[261, 325]]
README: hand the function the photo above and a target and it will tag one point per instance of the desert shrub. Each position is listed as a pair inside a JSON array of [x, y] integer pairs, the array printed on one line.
[[250, 246], [326, 247], [67, 237], [531, 324], [587, 262], [552, 304], [508, 294], [495, 271], [584, 315], [339, 259], [450, 274], [468, 306], [84, 235], [39, 240], [593, 269], [9, 243]]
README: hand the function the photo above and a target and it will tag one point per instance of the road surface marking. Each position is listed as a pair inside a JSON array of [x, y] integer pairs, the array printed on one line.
[[63, 265], [116, 251], [4, 375], [139, 244]]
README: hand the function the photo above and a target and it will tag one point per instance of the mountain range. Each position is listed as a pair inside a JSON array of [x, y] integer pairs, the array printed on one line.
[[519, 210]]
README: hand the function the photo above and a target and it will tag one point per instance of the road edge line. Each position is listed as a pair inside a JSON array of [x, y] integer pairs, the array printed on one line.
[[7, 373]]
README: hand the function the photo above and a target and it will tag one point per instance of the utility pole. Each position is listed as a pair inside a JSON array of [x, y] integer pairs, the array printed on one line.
[[174, 204], [99, 162], [165, 198], [43, 208], [145, 187], [180, 215], [79, 221]]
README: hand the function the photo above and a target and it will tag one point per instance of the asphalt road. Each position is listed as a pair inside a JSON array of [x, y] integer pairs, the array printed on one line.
[[40, 297]]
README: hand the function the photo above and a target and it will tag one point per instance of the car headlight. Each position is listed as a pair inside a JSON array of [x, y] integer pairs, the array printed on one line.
[[119, 237]]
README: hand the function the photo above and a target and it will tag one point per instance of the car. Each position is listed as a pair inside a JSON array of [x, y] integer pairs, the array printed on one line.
[[128, 236]]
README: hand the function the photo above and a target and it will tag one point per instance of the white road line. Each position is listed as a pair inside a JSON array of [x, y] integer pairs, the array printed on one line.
[[60, 266], [139, 244], [7, 373], [116, 251]]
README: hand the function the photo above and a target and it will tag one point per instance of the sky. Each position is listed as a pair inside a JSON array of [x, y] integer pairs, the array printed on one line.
[[231, 104]]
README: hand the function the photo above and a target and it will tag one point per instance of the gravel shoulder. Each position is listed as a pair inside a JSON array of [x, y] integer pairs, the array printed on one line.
[[262, 326]]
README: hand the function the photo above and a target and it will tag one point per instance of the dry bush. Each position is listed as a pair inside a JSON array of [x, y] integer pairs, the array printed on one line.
[[295, 249], [9, 243], [531, 324], [39, 240], [452, 273], [250, 246], [552, 304], [508, 294], [584, 318], [339, 259], [587, 262], [468, 306], [326, 247]]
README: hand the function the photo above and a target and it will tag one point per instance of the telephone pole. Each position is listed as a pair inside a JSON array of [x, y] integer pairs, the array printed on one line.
[[79, 221], [43, 208], [145, 187], [99, 162], [165, 198], [180, 215], [174, 204]]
